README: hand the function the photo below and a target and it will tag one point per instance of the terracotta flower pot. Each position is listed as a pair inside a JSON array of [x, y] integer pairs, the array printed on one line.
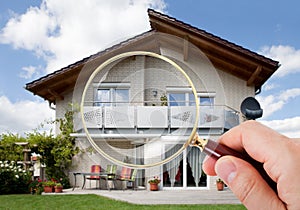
[[48, 189], [58, 189], [153, 187], [220, 186]]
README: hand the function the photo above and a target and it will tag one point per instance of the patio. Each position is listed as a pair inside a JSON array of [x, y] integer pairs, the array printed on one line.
[[162, 196]]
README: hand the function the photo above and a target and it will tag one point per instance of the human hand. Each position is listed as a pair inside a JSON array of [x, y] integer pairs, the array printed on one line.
[[280, 156]]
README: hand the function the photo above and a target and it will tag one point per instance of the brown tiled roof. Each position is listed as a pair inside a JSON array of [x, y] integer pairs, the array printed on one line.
[[54, 85], [225, 55], [157, 19]]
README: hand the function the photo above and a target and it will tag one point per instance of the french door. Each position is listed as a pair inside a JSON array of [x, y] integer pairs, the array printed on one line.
[[185, 171]]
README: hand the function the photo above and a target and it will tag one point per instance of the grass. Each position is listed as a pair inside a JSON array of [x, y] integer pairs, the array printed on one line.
[[77, 202]]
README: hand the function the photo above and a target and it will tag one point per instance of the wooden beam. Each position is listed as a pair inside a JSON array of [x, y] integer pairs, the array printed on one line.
[[254, 76], [56, 95]]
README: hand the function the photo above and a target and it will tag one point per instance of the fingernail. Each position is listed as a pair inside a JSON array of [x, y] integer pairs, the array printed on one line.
[[226, 169]]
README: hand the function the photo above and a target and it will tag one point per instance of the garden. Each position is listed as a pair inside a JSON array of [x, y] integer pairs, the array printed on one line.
[[55, 152]]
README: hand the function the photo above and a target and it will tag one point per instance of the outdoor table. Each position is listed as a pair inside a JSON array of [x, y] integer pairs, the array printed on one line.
[[104, 175]]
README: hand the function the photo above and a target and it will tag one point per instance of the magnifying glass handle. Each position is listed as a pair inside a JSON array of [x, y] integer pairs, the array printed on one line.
[[216, 150]]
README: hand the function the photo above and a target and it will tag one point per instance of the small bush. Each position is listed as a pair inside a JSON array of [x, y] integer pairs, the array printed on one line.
[[13, 178]]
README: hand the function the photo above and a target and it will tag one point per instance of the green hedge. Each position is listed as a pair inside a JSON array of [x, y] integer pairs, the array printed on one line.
[[13, 178]]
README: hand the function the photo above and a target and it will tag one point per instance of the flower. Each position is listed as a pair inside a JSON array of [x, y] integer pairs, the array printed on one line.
[[154, 180], [49, 183], [13, 177], [219, 180]]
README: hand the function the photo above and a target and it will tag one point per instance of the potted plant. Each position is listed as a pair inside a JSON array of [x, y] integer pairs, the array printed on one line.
[[36, 187], [220, 184], [154, 183], [58, 187], [48, 186], [164, 100]]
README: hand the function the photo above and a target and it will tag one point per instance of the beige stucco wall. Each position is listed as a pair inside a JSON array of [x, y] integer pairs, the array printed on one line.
[[235, 89]]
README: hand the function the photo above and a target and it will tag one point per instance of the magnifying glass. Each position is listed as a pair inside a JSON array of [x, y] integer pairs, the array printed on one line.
[[146, 105]]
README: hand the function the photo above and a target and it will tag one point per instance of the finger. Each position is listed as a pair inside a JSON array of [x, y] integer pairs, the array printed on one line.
[[260, 142], [247, 184], [209, 166]]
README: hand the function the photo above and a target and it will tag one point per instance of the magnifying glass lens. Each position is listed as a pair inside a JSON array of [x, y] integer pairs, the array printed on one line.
[[139, 109]]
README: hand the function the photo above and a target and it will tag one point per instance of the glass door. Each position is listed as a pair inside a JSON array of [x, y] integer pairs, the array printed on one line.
[[185, 171], [171, 176], [195, 177]]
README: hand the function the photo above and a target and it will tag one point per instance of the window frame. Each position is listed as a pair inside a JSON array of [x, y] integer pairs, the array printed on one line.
[[188, 93], [112, 88]]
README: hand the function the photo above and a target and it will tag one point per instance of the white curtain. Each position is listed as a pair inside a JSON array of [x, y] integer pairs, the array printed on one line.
[[195, 158], [172, 166]]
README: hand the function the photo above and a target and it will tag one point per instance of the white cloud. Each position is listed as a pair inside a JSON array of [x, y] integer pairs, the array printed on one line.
[[289, 127], [288, 56], [62, 32], [269, 86], [273, 103], [23, 116], [28, 71]]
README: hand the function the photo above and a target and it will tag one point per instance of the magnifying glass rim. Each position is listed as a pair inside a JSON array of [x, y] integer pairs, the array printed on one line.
[[124, 55]]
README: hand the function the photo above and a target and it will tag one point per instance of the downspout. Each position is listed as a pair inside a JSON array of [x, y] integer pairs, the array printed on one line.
[[51, 107], [258, 91]]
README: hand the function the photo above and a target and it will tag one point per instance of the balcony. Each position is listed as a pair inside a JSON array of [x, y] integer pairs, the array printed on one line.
[[151, 120]]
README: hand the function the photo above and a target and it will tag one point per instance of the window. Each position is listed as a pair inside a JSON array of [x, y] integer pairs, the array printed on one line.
[[185, 97], [206, 101], [112, 95], [103, 96], [177, 99], [179, 96]]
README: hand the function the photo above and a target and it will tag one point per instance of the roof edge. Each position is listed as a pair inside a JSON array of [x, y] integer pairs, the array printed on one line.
[[89, 58], [227, 44]]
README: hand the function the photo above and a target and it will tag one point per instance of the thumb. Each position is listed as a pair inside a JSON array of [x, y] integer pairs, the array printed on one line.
[[247, 184]]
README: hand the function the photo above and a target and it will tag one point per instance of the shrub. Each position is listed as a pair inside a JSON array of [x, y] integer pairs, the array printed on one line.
[[13, 178], [36, 187], [56, 151]]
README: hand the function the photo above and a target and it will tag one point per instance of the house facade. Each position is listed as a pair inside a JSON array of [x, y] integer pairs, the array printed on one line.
[[137, 106]]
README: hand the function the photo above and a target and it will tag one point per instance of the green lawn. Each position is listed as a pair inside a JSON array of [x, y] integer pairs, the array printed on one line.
[[89, 202]]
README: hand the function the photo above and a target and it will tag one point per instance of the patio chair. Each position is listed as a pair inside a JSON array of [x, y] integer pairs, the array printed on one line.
[[111, 171], [128, 175], [95, 169]]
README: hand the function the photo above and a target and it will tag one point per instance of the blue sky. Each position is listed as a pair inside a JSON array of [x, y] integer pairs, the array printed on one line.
[[38, 37]]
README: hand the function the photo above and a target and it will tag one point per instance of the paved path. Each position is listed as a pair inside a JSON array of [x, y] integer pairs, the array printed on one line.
[[164, 196]]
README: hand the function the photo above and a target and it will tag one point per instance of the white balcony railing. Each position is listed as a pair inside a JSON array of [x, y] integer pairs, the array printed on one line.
[[159, 117]]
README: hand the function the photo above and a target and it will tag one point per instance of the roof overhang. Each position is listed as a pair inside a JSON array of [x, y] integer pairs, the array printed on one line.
[[255, 69]]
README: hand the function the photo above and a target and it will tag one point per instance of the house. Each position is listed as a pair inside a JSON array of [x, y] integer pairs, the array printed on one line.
[[140, 108]]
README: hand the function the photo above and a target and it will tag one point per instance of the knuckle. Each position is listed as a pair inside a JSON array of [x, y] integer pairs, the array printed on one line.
[[246, 190]]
